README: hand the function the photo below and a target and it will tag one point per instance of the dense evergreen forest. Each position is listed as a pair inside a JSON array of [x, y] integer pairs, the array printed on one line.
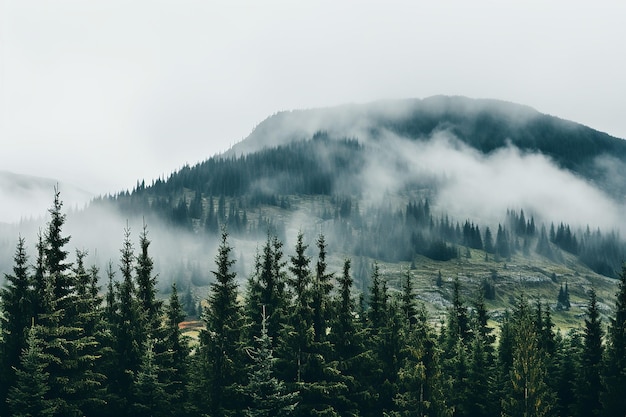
[[295, 340], [236, 192]]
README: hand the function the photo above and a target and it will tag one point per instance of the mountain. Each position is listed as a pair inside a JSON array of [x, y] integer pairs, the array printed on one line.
[[494, 192], [25, 196], [483, 124]]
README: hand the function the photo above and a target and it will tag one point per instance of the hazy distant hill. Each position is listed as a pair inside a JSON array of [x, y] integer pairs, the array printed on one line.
[[491, 191], [25, 196], [483, 124]]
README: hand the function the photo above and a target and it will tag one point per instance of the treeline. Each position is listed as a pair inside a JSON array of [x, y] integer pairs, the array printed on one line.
[[231, 191], [296, 341]]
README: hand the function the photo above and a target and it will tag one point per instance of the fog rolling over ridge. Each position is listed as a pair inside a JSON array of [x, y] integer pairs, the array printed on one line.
[[485, 156], [27, 197], [297, 171]]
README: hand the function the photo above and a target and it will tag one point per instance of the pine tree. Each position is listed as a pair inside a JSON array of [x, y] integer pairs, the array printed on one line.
[[300, 330], [528, 394], [420, 379], [16, 314], [72, 376], [149, 397], [588, 383], [269, 396], [266, 287], [345, 337], [614, 375], [221, 341], [28, 397], [322, 286], [377, 311], [175, 359], [126, 331], [146, 294], [488, 241]]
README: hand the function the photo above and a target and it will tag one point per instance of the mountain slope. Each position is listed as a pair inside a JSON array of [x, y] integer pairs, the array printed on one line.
[[492, 192], [26, 196], [485, 125]]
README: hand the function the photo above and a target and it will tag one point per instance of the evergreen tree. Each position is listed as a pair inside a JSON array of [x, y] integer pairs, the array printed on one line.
[[269, 396], [16, 314], [150, 397], [146, 293], [126, 331], [266, 287], [528, 395], [300, 320], [346, 339], [28, 397], [221, 341], [377, 311], [566, 364], [420, 379], [488, 241], [614, 380], [72, 376], [588, 383], [322, 286], [176, 358]]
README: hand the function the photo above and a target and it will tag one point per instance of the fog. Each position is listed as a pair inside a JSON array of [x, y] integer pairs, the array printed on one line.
[[482, 187], [458, 180]]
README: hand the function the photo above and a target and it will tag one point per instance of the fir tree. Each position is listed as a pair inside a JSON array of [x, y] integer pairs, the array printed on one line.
[[220, 342], [269, 396], [28, 397], [176, 357], [529, 395], [322, 286], [16, 314], [588, 382], [126, 331], [614, 380], [146, 293], [150, 398]]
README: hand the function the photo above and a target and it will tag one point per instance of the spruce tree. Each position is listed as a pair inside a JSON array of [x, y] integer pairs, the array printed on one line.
[[149, 304], [127, 331], [72, 375], [528, 394], [588, 382], [221, 340], [28, 396], [300, 330], [614, 375], [268, 395], [345, 337], [322, 286], [149, 397], [175, 361], [16, 314]]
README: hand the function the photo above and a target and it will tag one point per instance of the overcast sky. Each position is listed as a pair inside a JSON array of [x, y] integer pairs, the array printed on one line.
[[102, 93]]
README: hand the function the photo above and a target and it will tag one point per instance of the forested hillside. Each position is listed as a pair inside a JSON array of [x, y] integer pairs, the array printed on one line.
[[294, 340], [440, 257]]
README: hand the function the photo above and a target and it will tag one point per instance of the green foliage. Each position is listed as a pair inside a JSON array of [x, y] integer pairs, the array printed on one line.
[[125, 354]]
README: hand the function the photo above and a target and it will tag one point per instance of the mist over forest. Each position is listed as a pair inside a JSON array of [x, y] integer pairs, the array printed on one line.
[[446, 257], [340, 171]]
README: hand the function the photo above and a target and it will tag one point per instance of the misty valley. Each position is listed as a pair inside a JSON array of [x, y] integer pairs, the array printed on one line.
[[436, 257]]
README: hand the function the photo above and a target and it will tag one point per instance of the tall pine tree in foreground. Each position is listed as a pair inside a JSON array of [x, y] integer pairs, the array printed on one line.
[[268, 396], [221, 341], [28, 397], [614, 381], [528, 394], [588, 383], [16, 313]]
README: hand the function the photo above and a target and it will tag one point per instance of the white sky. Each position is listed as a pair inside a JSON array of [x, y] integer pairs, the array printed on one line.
[[101, 93]]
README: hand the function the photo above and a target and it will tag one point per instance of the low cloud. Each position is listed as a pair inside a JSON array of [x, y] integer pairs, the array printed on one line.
[[473, 185]]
